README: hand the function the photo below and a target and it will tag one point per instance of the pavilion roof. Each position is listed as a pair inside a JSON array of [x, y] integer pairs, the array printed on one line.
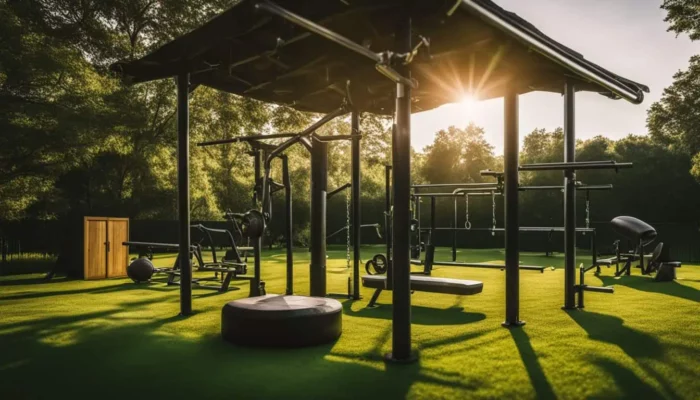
[[475, 47]]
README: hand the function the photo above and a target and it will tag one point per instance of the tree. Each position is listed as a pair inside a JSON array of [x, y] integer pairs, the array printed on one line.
[[457, 155], [674, 120], [683, 17]]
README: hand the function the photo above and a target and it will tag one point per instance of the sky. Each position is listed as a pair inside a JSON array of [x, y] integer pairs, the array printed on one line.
[[627, 37]]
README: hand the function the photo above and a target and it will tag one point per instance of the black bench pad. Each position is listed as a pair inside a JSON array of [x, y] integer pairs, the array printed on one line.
[[281, 321], [429, 284]]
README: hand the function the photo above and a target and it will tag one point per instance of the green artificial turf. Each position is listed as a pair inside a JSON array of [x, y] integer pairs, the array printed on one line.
[[116, 339]]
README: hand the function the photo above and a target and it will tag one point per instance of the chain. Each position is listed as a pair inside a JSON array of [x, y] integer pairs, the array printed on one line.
[[493, 212], [588, 213], [467, 223], [347, 226]]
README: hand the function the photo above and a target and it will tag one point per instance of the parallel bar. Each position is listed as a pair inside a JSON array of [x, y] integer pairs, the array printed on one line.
[[401, 315], [570, 196], [356, 222], [512, 223], [247, 138], [183, 191], [319, 187]]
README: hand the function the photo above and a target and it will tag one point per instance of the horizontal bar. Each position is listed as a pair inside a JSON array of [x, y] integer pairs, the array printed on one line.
[[154, 245], [454, 185], [598, 289], [554, 54], [522, 229], [306, 132], [437, 195], [335, 137], [563, 166], [204, 228], [488, 172], [246, 139], [338, 190], [485, 265]]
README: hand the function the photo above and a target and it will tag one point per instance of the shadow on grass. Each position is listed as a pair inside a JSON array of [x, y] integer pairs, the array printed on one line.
[[117, 351], [647, 284], [532, 365], [121, 287], [638, 345], [628, 382], [419, 315], [610, 329], [39, 280]]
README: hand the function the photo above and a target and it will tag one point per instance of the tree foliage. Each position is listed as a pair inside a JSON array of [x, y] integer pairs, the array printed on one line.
[[683, 17], [675, 119]]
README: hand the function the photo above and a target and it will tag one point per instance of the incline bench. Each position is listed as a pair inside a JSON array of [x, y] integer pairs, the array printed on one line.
[[424, 284]]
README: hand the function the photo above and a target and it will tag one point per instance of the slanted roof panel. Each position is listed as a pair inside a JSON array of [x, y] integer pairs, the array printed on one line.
[[476, 47]]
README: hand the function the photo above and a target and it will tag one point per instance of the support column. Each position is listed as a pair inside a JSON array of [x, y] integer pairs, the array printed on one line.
[[319, 189], [288, 224], [388, 221], [257, 163], [356, 222], [512, 223], [401, 317], [569, 197], [183, 191]]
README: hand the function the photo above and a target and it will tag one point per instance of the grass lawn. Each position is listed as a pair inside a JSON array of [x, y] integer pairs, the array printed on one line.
[[116, 339]]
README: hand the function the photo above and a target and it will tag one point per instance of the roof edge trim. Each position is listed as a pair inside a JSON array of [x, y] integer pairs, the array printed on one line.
[[553, 54]]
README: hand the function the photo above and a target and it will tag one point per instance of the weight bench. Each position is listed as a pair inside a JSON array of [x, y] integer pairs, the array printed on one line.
[[424, 284]]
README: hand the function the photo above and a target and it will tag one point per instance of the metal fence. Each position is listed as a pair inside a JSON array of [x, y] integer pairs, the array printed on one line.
[[43, 238]]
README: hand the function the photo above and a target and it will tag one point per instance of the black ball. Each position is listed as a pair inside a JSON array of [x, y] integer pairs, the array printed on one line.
[[140, 270]]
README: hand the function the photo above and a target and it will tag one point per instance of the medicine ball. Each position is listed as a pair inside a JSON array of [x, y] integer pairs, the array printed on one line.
[[140, 270]]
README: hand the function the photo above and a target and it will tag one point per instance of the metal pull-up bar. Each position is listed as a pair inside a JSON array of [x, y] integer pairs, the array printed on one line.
[[300, 137], [333, 138], [569, 166], [454, 185], [338, 190], [248, 138], [381, 60]]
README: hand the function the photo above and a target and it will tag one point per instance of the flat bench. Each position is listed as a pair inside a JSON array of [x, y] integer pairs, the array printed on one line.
[[425, 284]]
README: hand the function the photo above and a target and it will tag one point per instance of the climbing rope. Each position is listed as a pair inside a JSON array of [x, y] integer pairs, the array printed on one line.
[[467, 223]]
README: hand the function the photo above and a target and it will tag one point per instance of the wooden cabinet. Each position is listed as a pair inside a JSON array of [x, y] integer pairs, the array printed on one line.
[[104, 255]]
